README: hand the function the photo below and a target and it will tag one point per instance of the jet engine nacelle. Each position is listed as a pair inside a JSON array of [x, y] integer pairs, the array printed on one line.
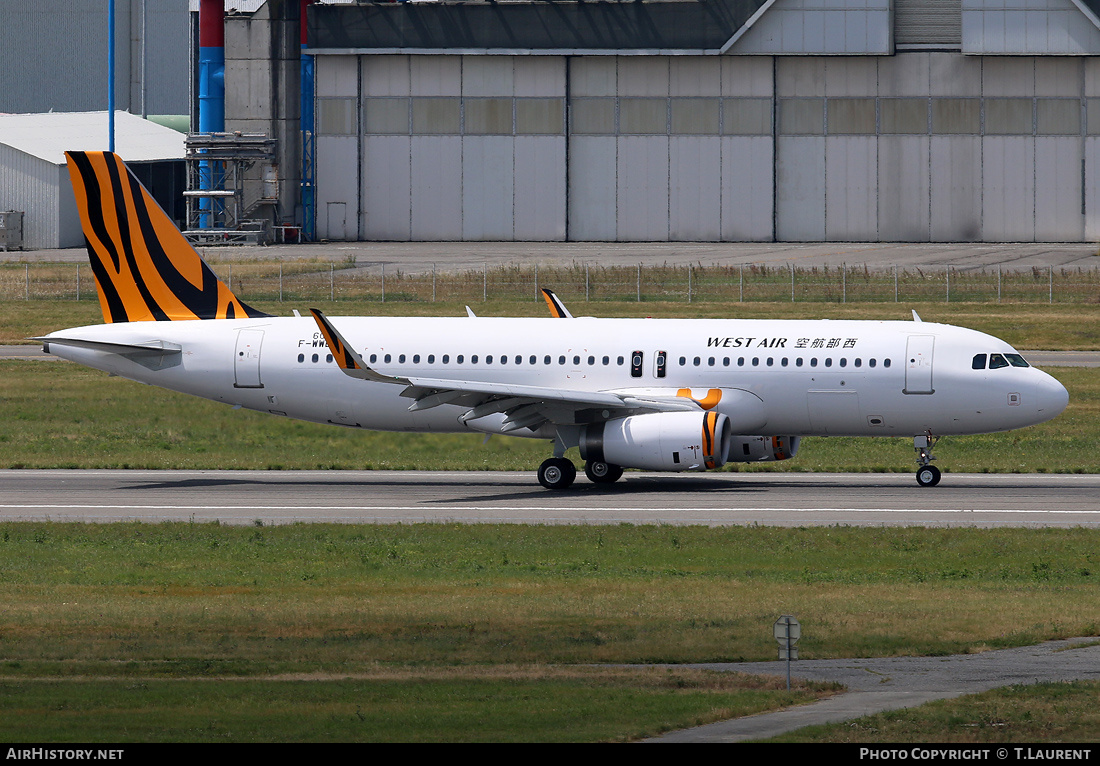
[[752, 449], [661, 441]]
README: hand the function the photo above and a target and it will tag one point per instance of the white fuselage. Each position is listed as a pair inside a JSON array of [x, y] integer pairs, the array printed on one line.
[[855, 378]]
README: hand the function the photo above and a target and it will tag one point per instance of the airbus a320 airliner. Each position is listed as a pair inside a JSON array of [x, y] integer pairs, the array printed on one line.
[[654, 394]]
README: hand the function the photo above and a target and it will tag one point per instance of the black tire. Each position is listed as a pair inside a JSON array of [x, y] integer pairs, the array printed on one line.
[[602, 473], [557, 473], [928, 476]]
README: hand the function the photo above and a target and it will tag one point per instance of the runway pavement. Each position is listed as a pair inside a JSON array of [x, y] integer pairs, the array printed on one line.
[[712, 499]]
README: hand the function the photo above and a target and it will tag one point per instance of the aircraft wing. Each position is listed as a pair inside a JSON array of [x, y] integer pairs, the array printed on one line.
[[523, 406]]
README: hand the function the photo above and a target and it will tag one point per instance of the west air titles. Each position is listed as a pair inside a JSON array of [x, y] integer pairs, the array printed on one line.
[[789, 343]]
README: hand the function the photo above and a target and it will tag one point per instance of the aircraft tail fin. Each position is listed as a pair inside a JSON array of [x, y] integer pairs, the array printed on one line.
[[144, 268]]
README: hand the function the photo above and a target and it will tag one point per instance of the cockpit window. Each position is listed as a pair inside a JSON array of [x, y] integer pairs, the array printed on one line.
[[997, 361], [1016, 360], [979, 362]]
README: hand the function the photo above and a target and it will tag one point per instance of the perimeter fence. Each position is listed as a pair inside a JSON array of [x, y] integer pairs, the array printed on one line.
[[304, 281]]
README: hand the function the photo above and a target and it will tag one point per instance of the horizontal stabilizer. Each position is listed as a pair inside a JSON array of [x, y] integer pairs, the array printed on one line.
[[148, 348]]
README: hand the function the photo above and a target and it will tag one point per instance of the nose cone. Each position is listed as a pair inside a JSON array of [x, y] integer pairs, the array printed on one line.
[[1051, 397]]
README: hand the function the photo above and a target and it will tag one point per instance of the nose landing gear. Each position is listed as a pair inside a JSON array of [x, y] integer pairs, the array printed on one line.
[[927, 474]]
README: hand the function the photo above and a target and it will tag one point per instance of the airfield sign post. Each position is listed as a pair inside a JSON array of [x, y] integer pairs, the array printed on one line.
[[787, 631]]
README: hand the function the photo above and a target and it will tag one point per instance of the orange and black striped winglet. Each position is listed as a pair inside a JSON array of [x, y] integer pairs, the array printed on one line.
[[144, 268], [346, 358], [557, 308]]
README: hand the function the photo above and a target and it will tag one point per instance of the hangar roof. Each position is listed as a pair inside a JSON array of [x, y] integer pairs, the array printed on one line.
[[542, 26], [525, 25], [49, 136]]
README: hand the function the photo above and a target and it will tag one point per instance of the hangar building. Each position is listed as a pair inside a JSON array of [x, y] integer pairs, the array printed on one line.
[[55, 56], [712, 120], [34, 178]]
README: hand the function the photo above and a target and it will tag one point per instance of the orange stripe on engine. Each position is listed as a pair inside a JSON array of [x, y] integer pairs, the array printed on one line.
[[777, 449], [710, 423]]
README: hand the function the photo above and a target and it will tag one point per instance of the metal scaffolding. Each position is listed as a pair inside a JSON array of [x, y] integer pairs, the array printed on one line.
[[222, 196]]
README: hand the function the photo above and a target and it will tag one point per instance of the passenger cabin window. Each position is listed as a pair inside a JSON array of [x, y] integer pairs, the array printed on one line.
[[979, 362]]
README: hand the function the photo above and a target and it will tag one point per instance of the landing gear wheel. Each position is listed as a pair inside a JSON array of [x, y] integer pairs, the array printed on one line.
[[602, 473], [928, 476], [557, 473]]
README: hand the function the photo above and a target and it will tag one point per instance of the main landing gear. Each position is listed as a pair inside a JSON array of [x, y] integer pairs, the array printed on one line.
[[559, 472], [927, 474], [599, 472]]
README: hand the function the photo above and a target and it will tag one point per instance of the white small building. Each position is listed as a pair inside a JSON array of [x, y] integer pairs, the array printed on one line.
[[34, 178]]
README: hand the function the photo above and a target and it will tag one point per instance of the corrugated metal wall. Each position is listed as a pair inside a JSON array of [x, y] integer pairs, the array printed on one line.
[[922, 145], [55, 56], [31, 185], [1043, 27]]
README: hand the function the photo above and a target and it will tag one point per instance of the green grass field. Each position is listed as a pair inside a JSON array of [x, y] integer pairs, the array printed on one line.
[[1026, 326], [177, 632], [465, 632], [311, 279]]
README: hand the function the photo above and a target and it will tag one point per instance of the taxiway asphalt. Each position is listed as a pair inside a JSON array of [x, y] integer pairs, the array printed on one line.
[[877, 685]]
